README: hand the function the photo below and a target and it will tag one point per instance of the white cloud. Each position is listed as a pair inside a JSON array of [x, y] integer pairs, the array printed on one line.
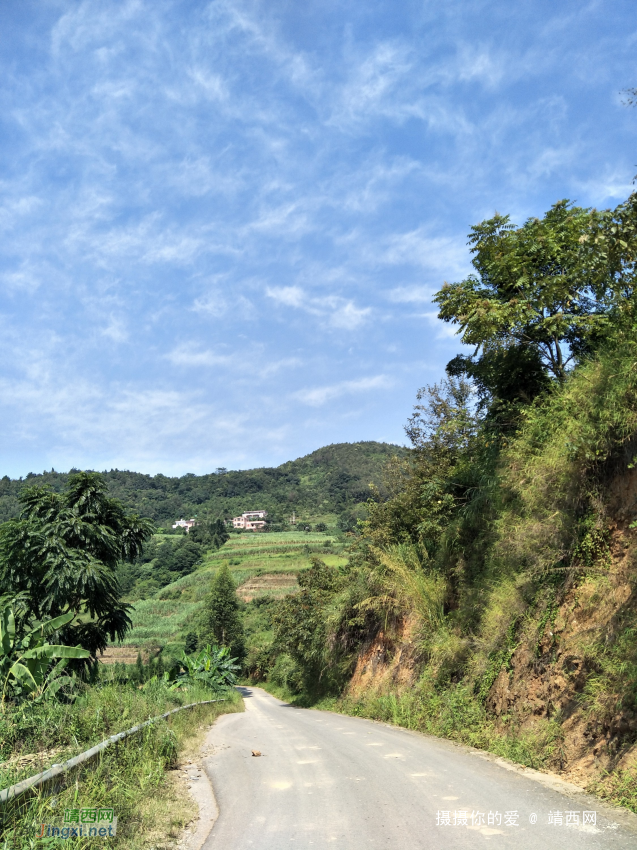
[[333, 310], [213, 85], [372, 89], [319, 396], [267, 368], [199, 176], [418, 247], [234, 176], [475, 62], [291, 296], [189, 355], [116, 329], [346, 314], [411, 294]]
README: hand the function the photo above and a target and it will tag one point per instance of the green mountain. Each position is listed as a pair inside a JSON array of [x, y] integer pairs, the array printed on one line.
[[333, 480]]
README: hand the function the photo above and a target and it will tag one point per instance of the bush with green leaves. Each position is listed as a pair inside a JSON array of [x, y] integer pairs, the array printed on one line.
[[286, 674], [212, 667], [27, 668]]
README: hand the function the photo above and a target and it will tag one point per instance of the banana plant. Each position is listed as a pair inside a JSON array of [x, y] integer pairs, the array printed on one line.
[[211, 667], [26, 657]]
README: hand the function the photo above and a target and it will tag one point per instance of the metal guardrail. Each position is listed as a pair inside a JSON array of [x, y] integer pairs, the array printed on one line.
[[59, 769]]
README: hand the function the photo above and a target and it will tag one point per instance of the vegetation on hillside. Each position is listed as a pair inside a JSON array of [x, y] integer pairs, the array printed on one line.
[[60, 603], [263, 568], [333, 480], [493, 589], [134, 778]]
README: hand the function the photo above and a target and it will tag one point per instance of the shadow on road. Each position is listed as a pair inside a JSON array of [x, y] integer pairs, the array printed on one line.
[[246, 693]]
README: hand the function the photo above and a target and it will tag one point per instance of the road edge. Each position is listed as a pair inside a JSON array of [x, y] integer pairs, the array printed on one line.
[[553, 781], [202, 792]]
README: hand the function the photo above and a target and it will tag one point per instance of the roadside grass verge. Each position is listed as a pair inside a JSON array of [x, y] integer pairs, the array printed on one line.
[[457, 714], [129, 777], [619, 787]]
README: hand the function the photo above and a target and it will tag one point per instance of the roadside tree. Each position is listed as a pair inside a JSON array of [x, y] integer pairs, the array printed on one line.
[[61, 557], [220, 622], [551, 290]]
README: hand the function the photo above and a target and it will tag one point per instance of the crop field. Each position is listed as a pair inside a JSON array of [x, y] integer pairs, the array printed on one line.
[[260, 565]]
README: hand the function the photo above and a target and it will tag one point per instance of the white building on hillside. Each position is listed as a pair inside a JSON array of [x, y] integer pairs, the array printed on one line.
[[185, 523], [250, 520]]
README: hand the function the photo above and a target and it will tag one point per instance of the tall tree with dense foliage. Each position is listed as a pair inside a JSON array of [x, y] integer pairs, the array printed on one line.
[[301, 625], [551, 288], [211, 534], [220, 622], [62, 554]]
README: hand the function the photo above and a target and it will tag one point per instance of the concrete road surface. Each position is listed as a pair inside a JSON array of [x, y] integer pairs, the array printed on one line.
[[328, 781]]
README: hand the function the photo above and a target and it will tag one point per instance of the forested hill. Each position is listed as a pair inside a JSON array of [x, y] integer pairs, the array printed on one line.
[[332, 480]]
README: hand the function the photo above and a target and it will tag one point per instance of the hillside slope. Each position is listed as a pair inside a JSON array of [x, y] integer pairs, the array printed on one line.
[[492, 598], [536, 658], [264, 568], [329, 481]]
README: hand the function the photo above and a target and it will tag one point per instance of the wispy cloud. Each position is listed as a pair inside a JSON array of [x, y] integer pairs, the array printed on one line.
[[319, 396], [189, 355], [411, 294], [187, 186], [336, 311]]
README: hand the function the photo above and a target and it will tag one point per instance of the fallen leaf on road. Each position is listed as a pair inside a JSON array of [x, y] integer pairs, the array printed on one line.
[[256, 752]]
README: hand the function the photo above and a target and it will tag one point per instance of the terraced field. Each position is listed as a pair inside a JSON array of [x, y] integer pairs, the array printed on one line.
[[260, 565]]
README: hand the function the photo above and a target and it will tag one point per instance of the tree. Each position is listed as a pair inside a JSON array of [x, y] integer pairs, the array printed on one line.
[[190, 643], [301, 625], [503, 379], [444, 424], [185, 556], [62, 555], [552, 286], [212, 534], [444, 431], [220, 623]]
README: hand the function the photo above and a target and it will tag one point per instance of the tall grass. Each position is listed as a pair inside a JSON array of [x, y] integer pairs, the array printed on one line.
[[160, 621], [129, 777], [456, 713], [545, 544]]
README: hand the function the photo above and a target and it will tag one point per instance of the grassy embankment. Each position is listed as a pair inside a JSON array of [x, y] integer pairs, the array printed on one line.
[[516, 633], [537, 659], [136, 778], [260, 564]]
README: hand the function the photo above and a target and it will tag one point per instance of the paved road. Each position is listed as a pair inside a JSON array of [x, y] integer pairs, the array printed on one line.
[[329, 781]]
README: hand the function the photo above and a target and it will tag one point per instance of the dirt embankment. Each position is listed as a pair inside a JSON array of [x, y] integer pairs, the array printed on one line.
[[122, 655], [275, 584], [565, 667], [549, 673], [387, 662]]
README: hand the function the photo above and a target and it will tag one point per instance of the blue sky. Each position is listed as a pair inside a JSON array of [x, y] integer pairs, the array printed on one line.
[[222, 223]]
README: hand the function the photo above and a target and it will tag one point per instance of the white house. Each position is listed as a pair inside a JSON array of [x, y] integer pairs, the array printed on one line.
[[185, 523], [250, 520]]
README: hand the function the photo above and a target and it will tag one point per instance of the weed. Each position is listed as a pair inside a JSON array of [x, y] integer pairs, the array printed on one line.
[[125, 777]]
